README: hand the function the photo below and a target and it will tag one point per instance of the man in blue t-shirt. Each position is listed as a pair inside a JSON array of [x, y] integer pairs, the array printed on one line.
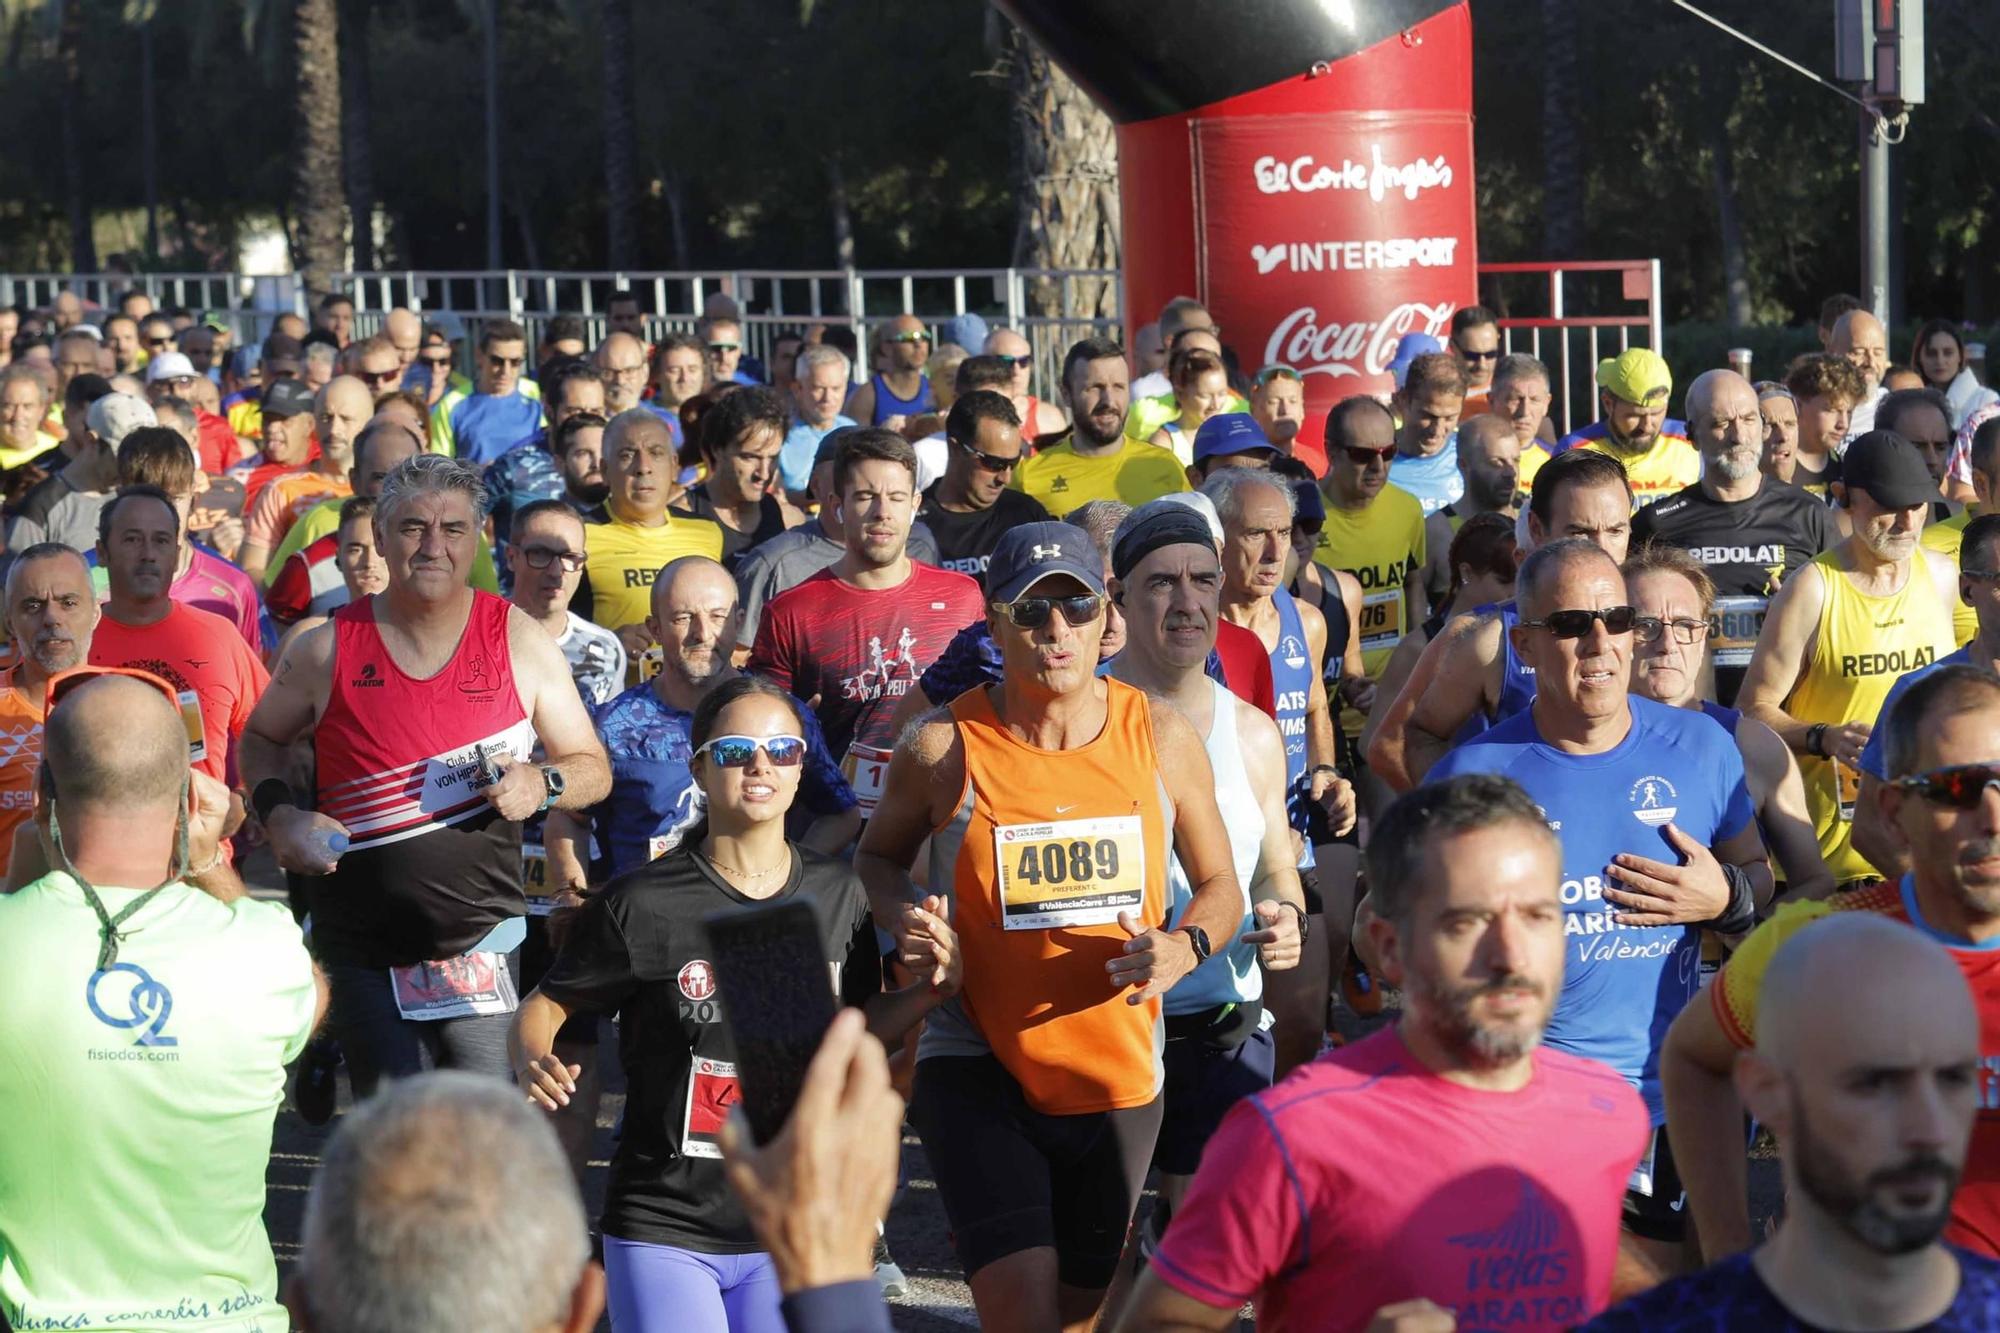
[[646, 731], [480, 426], [1657, 833], [1873, 1106], [1427, 408]]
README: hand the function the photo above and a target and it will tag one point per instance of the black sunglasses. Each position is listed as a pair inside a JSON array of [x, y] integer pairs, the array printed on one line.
[[376, 379], [1361, 457], [1011, 361], [1464, 355], [1962, 787], [1034, 612], [1576, 624], [991, 462]]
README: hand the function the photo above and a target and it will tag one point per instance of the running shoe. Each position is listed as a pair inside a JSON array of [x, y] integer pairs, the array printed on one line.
[[888, 1276]]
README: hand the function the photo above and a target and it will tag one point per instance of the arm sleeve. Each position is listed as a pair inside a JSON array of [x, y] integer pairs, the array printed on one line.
[[594, 969], [1243, 1220]]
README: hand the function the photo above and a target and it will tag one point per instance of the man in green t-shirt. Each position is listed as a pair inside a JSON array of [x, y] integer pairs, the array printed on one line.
[[147, 1023]]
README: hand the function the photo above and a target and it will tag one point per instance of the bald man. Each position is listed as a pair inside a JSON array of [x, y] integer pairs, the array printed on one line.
[[1750, 531], [170, 1027], [406, 333], [902, 391], [1860, 337], [1941, 804], [1873, 1108], [1039, 419], [621, 364], [1489, 468], [340, 410]]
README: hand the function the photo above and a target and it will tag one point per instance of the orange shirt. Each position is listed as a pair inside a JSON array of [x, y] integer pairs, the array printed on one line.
[[20, 753], [192, 651], [1050, 846], [283, 499]]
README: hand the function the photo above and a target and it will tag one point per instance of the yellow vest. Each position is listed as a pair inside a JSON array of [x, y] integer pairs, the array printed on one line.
[[1945, 538], [1864, 645]]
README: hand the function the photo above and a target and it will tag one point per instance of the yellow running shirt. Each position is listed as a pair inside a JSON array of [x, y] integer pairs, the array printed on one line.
[[1945, 538], [1864, 644], [1379, 545], [622, 559], [1671, 465], [1062, 480]]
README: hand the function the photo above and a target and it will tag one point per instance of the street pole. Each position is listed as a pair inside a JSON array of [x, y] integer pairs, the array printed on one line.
[[1875, 239]]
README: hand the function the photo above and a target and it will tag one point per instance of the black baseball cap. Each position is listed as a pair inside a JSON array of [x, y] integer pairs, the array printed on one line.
[[1890, 469], [1034, 551], [286, 397]]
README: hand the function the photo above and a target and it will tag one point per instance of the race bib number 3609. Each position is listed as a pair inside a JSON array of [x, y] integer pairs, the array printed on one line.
[[1071, 872]]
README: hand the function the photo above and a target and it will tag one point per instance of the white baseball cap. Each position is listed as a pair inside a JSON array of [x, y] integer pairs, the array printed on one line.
[[168, 366]]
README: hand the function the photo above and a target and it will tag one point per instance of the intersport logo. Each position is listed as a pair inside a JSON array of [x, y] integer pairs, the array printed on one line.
[[1361, 348]]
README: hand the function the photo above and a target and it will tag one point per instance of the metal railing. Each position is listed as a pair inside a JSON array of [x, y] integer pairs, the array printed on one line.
[[1566, 314], [1571, 344]]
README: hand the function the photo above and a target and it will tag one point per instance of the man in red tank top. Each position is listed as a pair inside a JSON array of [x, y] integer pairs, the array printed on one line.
[[1050, 800], [424, 703]]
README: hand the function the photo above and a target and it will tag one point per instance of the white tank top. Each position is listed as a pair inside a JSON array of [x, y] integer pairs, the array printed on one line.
[[1231, 973]]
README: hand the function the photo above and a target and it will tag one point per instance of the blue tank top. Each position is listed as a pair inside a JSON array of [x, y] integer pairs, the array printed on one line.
[[1291, 680], [887, 404], [1517, 681]]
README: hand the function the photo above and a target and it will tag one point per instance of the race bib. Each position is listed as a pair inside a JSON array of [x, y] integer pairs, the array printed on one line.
[[1737, 622], [472, 983], [660, 844], [191, 719], [866, 769], [712, 1091], [1849, 780], [1381, 620], [535, 872], [651, 663], [1072, 872]]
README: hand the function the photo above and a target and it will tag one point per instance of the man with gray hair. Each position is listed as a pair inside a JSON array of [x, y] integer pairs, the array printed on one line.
[[1751, 532], [416, 826], [1658, 843], [820, 381], [63, 507], [445, 1203]]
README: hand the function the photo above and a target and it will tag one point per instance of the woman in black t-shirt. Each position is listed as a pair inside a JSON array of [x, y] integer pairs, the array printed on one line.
[[678, 1252]]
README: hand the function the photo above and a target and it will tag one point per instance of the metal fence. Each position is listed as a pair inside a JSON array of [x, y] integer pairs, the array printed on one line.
[[1568, 315]]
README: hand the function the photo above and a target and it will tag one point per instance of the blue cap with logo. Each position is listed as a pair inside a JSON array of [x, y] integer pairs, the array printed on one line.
[[1408, 348], [1230, 433], [1034, 551]]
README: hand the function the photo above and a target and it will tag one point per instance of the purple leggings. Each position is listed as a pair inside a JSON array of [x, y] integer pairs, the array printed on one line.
[[663, 1289]]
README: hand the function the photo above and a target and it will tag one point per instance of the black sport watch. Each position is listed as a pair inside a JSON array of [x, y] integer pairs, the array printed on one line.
[[552, 786], [1198, 940]]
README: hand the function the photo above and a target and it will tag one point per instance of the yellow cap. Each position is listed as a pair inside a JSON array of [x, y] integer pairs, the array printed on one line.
[[1637, 375]]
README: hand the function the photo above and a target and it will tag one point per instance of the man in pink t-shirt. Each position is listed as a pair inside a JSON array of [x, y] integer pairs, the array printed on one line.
[[1447, 1165]]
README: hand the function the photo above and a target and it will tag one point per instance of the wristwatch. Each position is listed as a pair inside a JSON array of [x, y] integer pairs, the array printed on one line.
[[1305, 922], [1198, 940], [552, 786]]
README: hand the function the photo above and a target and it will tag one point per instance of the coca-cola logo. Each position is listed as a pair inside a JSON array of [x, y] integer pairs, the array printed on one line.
[[1361, 348], [1302, 175]]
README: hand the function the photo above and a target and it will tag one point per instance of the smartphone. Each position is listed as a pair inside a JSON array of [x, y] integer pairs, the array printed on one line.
[[778, 999]]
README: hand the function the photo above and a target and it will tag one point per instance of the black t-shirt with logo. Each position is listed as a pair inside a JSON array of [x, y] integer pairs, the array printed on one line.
[[637, 949], [966, 541], [1749, 547]]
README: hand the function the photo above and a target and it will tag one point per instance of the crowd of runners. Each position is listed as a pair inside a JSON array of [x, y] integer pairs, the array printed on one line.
[[1392, 880]]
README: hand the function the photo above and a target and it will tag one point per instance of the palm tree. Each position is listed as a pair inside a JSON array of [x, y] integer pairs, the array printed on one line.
[[69, 59], [316, 198], [355, 121], [1065, 167]]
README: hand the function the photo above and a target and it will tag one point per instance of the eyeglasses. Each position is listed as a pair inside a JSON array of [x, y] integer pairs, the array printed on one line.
[[506, 362], [725, 347], [1034, 612], [1012, 362], [376, 379], [991, 462], [1649, 628], [540, 557], [1961, 787], [741, 751], [1576, 624], [910, 336], [1361, 457], [1269, 373]]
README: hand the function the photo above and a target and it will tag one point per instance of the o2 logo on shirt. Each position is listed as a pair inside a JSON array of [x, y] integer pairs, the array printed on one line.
[[147, 1003]]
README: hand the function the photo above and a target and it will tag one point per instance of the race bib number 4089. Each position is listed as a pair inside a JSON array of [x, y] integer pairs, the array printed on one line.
[[1070, 872]]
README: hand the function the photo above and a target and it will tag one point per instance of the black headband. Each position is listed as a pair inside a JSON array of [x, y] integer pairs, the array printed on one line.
[[1171, 525]]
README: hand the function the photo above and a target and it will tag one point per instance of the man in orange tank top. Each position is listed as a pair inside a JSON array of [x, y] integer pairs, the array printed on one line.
[[1051, 802]]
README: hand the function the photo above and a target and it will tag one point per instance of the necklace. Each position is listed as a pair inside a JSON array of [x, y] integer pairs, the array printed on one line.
[[740, 873]]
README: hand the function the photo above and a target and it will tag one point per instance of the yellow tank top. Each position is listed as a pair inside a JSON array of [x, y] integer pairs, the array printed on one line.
[[1864, 644], [1946, 538]]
